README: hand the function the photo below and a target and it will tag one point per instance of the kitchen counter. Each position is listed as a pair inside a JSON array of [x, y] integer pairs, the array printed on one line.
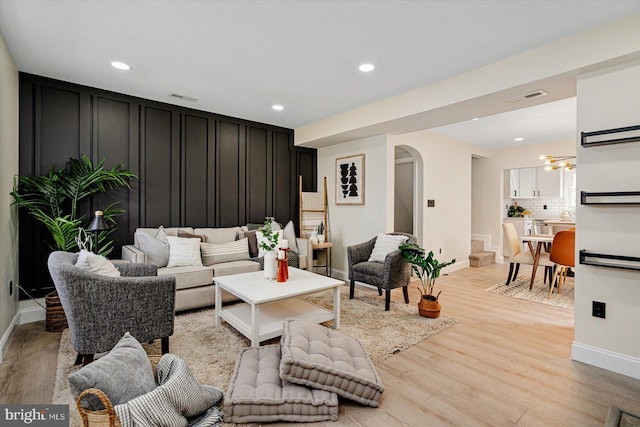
[[559, 221], [546, 220]]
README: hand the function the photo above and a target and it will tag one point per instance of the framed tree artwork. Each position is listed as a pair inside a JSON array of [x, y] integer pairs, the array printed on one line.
[[350, 180]]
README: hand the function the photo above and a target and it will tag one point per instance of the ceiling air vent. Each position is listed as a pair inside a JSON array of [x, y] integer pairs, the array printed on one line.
[[534, 94], [184, 97]]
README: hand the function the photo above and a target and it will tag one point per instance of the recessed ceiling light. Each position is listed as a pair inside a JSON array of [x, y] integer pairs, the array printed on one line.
[[120, 65], [365, 68], [277, 107], [518, 139], [475, 118]]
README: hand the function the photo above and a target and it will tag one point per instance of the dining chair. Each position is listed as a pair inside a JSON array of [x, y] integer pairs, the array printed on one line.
[[563, 254], [517, 256]]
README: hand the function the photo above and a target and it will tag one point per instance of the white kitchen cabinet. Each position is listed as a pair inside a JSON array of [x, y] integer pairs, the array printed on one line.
[[548, 183], [520, 184], [527, 183]]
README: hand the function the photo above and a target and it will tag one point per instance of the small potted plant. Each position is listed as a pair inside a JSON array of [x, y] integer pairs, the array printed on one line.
[[321, 232], [428, 270], [268, 243]]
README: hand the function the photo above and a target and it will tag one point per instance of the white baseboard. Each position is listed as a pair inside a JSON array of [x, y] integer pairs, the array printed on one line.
[[605, 359], [459, 265], [7, 337], [31, 314]]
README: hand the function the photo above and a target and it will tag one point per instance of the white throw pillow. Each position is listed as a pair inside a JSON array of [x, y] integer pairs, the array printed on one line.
[[184, 251], [385, 244], [96, 264], [290, 235]]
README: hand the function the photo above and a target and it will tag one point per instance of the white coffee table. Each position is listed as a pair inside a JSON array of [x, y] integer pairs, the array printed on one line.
[[267, 303]]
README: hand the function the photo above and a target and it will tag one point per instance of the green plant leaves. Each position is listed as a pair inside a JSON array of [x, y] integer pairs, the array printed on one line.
[[426, 268], [53, 199], [270, 235]]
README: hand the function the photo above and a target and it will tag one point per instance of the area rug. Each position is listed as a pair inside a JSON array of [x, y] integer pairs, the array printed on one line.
[[619, 418], [211, 351], [540, 292]]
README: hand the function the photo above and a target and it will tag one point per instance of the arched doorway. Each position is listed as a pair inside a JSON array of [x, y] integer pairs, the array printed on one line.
[[408, 200]]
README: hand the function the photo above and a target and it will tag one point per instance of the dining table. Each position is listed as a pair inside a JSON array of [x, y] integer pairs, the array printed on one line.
[[540, 240]]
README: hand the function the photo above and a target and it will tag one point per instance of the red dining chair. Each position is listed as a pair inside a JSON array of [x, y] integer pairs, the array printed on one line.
[[563, 253]]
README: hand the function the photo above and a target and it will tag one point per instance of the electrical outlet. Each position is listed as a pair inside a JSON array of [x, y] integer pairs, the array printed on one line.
[[440, 250], [10, 287], [599, 309], [544, 207]]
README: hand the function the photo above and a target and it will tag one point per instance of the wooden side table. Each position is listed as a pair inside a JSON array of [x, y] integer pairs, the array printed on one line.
[[326, 248]]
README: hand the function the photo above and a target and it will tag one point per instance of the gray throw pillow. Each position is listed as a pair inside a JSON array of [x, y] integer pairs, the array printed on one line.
[[187, 235], [252, 239], [123, 374], [156, 247]]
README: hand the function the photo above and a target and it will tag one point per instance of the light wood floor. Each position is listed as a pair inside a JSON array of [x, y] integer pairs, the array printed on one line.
[[506, 362]]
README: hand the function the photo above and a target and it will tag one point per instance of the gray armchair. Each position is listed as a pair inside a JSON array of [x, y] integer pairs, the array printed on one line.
[[101, 309], [395, 272]]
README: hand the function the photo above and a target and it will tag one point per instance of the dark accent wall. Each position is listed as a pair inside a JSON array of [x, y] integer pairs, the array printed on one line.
[[196, 168]]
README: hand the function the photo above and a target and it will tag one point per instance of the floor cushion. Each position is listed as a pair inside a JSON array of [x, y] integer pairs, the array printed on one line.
[[256, 393], [318, 357]]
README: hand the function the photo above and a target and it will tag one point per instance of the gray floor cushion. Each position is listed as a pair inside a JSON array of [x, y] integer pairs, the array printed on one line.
[[257, 394], [323, 358]]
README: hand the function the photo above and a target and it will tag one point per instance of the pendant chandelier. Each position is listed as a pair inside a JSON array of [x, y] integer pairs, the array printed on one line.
[[558, 162]]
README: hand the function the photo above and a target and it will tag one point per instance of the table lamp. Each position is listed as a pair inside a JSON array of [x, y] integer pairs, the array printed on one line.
[[98, 224]]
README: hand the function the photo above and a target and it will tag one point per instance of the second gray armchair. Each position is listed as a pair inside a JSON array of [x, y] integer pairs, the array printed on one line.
[[394, 272]]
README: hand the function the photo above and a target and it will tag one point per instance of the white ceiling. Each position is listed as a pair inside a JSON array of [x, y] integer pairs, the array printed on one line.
[[553, 121], [241, 57]]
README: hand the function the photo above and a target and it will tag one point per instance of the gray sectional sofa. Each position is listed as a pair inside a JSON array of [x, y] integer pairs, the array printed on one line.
[[194, 284]]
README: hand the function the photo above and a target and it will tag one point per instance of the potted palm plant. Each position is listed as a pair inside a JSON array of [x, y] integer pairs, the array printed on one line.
[[54, 199], [428, 269]]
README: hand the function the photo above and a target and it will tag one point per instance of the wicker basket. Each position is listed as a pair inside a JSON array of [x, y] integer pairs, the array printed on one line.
[[56, 320], [107, 416]]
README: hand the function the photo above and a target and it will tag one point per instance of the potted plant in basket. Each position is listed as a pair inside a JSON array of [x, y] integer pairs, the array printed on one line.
[[55, 200], [428, 270]]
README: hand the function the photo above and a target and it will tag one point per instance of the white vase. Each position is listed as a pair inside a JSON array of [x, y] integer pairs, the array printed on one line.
[[270, 265]]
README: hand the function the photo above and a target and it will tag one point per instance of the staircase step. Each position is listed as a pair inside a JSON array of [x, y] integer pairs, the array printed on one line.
[[482, 258], [477, 246]]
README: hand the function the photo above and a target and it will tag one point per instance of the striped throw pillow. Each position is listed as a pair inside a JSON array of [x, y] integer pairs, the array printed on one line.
[[213, 253]]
